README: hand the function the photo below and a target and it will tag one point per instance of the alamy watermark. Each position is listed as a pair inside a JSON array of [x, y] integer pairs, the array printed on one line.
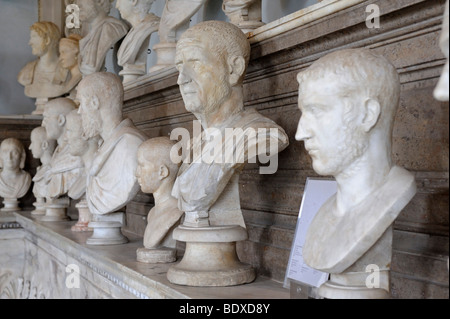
[[73, 277], [231, 146], [373, 279], [373, 17], [73, 17]]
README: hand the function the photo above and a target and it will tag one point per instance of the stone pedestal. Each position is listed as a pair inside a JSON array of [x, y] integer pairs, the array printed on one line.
[[56, 210], [165, 53], [156, 256], [39, 204], [84, 218], [132, 72], [107, 229], [246, 16], [210, 259], [10, 205], [368, 278], [40, 106]]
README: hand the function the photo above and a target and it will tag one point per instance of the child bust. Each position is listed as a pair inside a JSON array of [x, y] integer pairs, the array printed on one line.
[[156, 174]]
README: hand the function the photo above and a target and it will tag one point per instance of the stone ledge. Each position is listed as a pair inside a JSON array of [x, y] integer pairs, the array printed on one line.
[[118, 266]]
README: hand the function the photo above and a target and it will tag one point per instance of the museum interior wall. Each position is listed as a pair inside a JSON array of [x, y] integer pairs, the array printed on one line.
[[289, 43]]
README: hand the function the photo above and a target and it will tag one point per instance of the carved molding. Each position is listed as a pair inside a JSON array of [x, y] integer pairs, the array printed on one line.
[[12, 287], [10, 225]]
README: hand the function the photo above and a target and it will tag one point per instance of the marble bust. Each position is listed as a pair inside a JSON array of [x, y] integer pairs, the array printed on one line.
[[210, 78], [65, 168], [85, 149], [175, 19], [103, 32], [42, 148], [348, 101], [111, 180], [156, 174], [246, 14], [441, 90], [44, 77], [214, 94], [69, 50], [14, 181], [132, 54]]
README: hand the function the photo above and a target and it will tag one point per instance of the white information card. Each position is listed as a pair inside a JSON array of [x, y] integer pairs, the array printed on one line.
[[317, 192]]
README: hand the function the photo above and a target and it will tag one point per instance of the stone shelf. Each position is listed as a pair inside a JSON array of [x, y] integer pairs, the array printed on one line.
[[112, 271]]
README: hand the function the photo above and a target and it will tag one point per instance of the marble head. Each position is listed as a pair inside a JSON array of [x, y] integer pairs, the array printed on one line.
[[69, 49], [155, 164], [128, 8], [44, 36], [100, 96], [346, 97], [74, 134], [208, 68], [40, 143], [55, 113], [12, 154], [90, 9]]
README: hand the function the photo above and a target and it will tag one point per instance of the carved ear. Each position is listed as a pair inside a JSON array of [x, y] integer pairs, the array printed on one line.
[[134, 2], [163, 172], [47, 41], [44, 145], [236, 66], [22, 160], [372, 114], [61, 120], [95, 103]]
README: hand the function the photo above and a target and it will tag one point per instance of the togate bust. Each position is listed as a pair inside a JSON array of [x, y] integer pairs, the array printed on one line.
[[348, 101], [14, 181], [42, 148], [111, 180], [64, 168], [85, 148], [210, 78], [102, 33], [132, 54]]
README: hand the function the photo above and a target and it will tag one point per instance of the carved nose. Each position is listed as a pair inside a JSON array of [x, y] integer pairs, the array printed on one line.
[[301, 134]]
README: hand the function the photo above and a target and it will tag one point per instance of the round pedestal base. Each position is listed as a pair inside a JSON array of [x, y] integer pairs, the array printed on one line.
[[10, 205], [241, 274], [40, 209], [331, 290], [55, 214], [165, 56], [156, 256], [81, 227], [106, 233], [84, 218], [210, 259], [250, 26]]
